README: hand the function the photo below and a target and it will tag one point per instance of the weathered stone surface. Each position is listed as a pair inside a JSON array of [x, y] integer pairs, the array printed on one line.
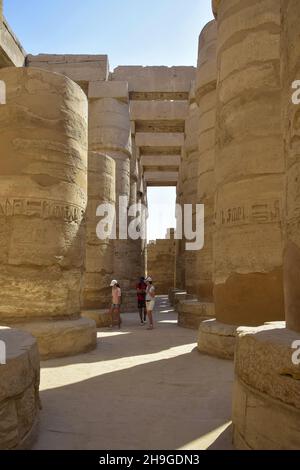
[[102, 318], [80, 68], [264, 361], [267, 389], [19, 393], [110, 132], [249, 165], [153, 82], [192, 312], [190, 182], [180, 296], [206, 100], [161, 263], [11, 51], [43, 179], [162, 111], [291, 71], [101, 89], [62, 338], [99, 253], [217, 339], [171, 294]]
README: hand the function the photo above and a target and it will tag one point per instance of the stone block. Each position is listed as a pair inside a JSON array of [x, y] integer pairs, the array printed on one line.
[[266, 398], [217, 339], [192, 312], [19, 392]]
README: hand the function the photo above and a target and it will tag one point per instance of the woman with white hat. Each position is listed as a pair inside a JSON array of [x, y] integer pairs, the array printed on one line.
[[150, 301], [115, 309]]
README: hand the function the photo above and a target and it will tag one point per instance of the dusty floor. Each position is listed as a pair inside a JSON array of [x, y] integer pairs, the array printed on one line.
[[138, 390]]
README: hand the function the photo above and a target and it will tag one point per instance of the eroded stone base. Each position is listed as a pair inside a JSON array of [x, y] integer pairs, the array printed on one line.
[[19, 391], [171, 295], [266, 399], [102, 318], [62, 338], [180, 296], [192, 312], [217, 339]]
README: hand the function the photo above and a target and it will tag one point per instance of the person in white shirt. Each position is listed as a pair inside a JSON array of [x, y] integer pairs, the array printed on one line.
[[150, 301]]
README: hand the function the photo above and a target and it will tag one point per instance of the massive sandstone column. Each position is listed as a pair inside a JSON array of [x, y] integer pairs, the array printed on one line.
[[135, 246], [266, 396], [291, 73], [192, 312], [191, 158], [99, 252], [249, 173], [110, 132], [206, 99], [43, 188]]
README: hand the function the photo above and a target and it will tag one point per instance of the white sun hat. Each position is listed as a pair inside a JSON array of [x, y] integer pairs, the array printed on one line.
[[149, 279], [113, 283]]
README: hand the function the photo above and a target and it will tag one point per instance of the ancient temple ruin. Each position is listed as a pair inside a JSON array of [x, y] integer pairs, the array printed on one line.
[[75, 135]]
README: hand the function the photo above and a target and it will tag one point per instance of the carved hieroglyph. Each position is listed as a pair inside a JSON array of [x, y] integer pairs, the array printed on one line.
[[249, 164]]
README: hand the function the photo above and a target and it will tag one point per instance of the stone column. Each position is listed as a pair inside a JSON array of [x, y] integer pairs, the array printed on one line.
[[291, 73], [135, 245], [249, 173], [266, 396], [192, 312], [43, 179], [206, 98], [99, 253], [110, 132], [179, 243], [191, 157]]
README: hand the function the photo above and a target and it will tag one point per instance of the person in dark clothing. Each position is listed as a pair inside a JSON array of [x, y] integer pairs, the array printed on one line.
[[141, 299]]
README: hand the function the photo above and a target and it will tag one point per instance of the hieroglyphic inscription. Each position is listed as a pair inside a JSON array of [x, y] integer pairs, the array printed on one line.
[[254, 213], [43, 208]]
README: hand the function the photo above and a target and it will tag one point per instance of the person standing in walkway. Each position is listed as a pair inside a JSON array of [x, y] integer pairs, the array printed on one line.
[[150, 301], [141, 299], [115, 310]]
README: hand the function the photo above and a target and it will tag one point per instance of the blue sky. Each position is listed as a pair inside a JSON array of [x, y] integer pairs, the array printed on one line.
[[131, 32]]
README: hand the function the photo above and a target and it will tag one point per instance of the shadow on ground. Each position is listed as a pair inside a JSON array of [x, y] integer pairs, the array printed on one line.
[[138, 390]]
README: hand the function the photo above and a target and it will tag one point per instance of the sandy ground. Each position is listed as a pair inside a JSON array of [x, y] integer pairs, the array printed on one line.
[[139, 390]]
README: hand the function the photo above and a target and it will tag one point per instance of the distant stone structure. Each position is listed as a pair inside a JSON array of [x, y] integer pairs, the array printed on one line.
[[161, 262]]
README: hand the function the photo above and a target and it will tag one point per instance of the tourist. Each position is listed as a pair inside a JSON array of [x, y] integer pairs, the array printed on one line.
[[115, 310], [141, 299], [150, 301]]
